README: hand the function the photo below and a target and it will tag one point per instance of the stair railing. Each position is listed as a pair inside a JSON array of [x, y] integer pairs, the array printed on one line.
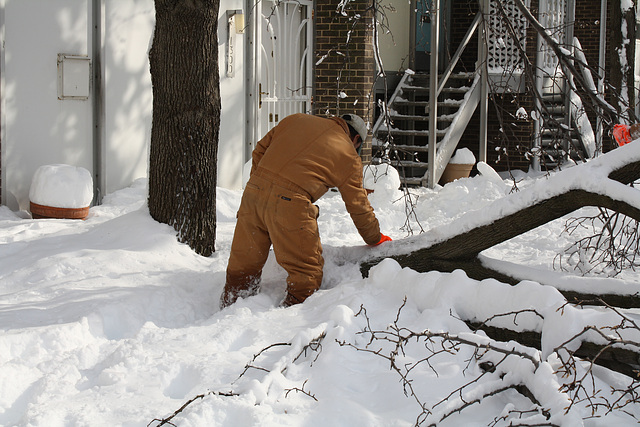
[[456, 56], [436, 172], [384, 115]]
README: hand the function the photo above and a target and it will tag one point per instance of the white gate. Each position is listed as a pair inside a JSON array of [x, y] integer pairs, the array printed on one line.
[[283, 61]]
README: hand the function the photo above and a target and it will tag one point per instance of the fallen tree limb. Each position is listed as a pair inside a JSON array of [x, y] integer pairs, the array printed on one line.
[[621, 360], [475, 269], [466, 246], [460, 251]]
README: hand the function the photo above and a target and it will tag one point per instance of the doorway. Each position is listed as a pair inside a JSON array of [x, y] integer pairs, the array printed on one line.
[[421, 43], [282, 61]]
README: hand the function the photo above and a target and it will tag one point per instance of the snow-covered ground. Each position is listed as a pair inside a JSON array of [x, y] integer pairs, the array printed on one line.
[[111, 322]]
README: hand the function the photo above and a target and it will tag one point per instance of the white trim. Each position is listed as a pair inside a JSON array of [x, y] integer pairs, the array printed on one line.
[[251, 85]]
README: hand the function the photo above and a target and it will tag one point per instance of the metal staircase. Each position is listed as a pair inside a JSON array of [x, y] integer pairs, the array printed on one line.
[[410, 136], [559, 141], [401, 133]]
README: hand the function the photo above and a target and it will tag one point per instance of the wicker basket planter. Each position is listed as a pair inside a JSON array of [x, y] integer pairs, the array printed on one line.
[[40, 212], [61, 191]]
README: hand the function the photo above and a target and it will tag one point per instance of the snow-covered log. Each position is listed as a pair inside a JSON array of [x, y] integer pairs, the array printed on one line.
[[617, 358], [603, 182]]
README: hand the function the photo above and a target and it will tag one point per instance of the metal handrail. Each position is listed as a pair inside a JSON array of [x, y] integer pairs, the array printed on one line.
[[456, 57], [396, 93], [445, 76]]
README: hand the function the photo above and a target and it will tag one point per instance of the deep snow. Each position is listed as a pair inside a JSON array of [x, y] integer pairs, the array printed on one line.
[[111, 321]]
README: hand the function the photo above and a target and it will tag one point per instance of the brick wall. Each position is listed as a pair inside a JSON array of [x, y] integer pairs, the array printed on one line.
[[345, 67]]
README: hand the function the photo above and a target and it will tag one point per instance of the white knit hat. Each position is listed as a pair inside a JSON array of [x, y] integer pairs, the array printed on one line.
[[358, 124]]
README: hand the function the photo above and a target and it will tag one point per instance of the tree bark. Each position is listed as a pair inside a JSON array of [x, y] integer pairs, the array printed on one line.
[[621, 58], [186, 119]]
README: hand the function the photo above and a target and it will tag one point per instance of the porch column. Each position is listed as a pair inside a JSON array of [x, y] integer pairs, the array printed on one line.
[[484, 85], [433, 92]]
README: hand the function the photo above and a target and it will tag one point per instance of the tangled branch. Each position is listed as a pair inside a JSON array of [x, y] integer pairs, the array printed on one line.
[[504, 366], [612, 244], [314, 345], [165, 421]]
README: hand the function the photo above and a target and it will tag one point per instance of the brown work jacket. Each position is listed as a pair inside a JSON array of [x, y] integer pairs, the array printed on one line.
[[316, 154]]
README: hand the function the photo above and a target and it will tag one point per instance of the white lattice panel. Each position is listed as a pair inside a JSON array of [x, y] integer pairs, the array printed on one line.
[[504, 50]]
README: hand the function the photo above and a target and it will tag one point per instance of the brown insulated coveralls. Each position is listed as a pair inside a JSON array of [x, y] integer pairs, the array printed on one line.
[[293, 165]]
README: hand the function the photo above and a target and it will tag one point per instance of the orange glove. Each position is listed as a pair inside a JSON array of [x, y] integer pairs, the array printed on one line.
[[383, 239], [621, 134]]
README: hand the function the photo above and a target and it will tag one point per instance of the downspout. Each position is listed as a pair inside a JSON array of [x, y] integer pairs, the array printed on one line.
[[98, 107], [570, 19], [537, 123], [251, 89], [412, 35]]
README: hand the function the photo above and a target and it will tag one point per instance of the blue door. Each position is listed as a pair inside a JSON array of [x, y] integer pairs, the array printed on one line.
[[423, 32]]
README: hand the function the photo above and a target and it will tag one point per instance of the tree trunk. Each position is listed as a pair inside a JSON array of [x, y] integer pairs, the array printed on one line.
[[186, 119], [621, 58]]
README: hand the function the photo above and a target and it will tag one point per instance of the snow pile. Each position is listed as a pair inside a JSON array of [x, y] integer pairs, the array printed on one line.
[[463, 156], [111, 321], [61, 186], [384, 180]]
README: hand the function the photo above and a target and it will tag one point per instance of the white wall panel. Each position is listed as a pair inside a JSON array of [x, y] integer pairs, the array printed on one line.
[[39, 128]]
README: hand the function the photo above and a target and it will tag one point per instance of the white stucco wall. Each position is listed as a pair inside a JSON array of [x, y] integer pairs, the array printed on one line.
[[128, 28], [38, 127], [394, 45], [231, 140]]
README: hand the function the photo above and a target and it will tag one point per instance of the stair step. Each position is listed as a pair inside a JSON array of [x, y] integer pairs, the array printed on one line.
[[557, 132], [424, 78], [451, 90], [410, 164], [417, 181], [441, 104], [414, 118], [406, 148], [411, 132], [555, 109], [547, 133], [553, 97], [551, 142]]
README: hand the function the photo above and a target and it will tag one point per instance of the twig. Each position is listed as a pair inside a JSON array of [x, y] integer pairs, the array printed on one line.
[[167, 420], [300, 390]]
